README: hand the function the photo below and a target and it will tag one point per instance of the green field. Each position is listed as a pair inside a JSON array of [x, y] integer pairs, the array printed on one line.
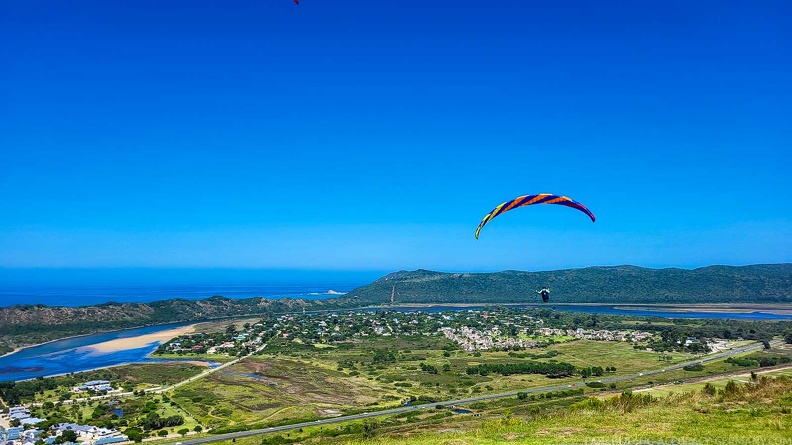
[[265, 391], [744, 414], [742, 376], [306, 383]]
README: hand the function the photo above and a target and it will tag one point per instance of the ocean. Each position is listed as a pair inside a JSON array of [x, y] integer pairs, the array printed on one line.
[[84, 287], [76, 295]]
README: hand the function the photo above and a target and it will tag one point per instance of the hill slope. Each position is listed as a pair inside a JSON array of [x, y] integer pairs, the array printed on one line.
[[771, 283]]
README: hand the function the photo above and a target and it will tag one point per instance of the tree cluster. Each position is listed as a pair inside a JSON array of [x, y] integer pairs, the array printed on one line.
[[552, 370]]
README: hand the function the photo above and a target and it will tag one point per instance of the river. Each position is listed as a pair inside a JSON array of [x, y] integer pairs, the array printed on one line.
[[636, 311], [76, 354]]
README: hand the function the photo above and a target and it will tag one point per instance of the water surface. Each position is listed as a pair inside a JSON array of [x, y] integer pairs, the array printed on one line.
[[75, 354]]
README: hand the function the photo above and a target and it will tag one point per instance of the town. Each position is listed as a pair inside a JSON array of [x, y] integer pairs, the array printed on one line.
[[473, 330]]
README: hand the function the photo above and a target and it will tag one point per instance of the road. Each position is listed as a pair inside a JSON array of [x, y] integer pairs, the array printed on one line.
[[161, 389], [405, 409], [203, 374]]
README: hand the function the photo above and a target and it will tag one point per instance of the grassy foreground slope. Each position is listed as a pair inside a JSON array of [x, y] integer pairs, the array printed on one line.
[[764, 283], [751, 413]]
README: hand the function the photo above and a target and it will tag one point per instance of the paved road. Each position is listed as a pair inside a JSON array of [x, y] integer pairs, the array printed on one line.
[[405, 409]]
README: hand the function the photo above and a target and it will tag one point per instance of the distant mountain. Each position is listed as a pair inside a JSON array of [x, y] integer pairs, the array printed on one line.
[[763, 283]]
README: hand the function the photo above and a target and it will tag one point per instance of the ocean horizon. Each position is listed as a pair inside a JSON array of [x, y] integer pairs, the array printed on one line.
[[85, 287], [73, 296]]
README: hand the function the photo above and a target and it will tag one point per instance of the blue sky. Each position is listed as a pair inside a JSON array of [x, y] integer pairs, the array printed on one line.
[[374, 135]]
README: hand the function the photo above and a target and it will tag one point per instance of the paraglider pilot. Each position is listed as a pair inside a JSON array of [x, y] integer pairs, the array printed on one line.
[[545, 293]]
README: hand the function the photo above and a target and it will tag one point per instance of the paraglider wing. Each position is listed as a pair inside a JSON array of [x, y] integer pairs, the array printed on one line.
[[526, 200]]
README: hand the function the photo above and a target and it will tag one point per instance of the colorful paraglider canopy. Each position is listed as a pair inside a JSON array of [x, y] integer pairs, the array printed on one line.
[[526, 200]]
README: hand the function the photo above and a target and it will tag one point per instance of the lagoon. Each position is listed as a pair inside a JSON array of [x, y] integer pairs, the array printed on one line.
[[79, 354]]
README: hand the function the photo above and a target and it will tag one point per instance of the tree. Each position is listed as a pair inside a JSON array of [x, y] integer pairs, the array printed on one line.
[[370, 427], [766, 344], [198, 428], [788, 336], [183, 432], [67, 436], [162, 433]]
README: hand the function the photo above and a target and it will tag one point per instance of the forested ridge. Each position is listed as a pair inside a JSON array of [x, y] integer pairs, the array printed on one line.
[[764, 283]]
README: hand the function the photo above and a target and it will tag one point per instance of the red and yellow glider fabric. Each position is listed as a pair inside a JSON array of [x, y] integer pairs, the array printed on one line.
[[526, 200]]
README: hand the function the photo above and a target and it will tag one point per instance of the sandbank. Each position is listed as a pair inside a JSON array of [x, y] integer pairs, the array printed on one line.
[[122, 344]]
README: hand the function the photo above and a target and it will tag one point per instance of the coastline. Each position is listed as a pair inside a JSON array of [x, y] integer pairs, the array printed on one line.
[[22, 348], [61, 374]]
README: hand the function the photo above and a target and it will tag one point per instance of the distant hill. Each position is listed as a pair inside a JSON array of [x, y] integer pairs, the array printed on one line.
[[764, 283], [27, 324]]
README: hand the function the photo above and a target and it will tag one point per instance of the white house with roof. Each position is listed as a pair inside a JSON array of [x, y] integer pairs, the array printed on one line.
[[86, 432], [18, 412], [22, 414], [94, 385], [31, 421]]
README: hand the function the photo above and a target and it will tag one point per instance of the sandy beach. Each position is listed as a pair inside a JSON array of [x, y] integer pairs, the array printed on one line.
[[122, 344]]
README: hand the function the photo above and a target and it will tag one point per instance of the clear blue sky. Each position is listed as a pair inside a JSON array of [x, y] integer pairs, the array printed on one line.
[[374, 135]]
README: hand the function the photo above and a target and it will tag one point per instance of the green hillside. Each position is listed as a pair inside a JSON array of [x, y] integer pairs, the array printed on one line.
[[766, 283]]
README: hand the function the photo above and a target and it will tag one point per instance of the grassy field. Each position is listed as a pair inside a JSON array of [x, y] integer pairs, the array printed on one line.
[[158, 373], [718, 383], [263, 391], [306, 383], [622, 355], [743, 414], [129, 377]]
